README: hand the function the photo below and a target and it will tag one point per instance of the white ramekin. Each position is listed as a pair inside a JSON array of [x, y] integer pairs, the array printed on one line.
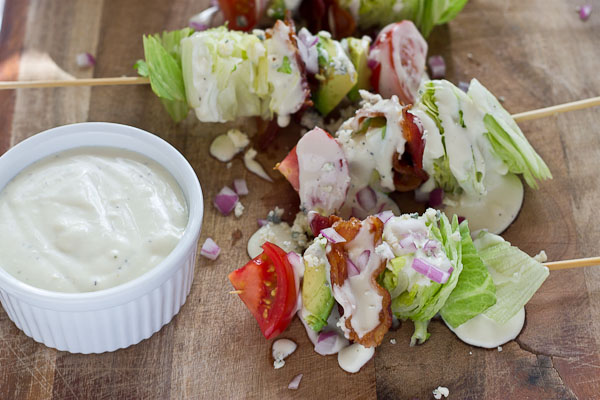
[[118, 317]]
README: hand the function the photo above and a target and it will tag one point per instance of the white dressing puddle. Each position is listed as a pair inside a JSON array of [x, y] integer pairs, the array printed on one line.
[[494, 211], [482, 331], [352, 358]]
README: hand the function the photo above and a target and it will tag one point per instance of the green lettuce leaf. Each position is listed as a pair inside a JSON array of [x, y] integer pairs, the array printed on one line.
[[162, 65], [516, 275], [475, 291], [507, 139], [226, 75]]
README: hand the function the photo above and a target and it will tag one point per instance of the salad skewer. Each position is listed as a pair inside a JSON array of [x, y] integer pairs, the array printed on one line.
[[340, 17], [140, 80], [389, 267], [461, 151]]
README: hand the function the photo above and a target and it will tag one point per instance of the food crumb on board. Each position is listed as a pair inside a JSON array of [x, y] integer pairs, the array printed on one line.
[[441, 391], [238, 210], [393, 341], [295, 382], [499, 348], [541, 257], [280, 350]]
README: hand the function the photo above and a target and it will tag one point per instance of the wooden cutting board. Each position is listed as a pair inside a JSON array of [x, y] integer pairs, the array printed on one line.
[[532, 54]]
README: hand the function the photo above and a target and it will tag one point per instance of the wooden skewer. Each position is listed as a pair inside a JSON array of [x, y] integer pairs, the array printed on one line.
[[567, 264], [552, 266], [124, 80], [560, 108], [138, 80]]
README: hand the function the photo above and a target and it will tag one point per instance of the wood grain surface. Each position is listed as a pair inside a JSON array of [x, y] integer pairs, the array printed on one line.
[[533, 54]]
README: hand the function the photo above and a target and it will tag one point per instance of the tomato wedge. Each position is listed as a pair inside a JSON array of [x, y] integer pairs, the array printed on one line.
[[397, 61], [289, 169], [268, 288], [241, 15]]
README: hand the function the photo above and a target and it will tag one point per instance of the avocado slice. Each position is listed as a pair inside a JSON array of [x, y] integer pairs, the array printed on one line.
[[358, 52], [317, 298], [337, 75]]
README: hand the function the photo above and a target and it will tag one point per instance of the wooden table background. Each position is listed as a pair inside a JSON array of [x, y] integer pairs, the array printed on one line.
[[532, 53]]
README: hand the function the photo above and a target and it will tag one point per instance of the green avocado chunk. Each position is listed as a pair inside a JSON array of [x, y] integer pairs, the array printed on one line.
[[317, 299], [337, 75], [358, 51]]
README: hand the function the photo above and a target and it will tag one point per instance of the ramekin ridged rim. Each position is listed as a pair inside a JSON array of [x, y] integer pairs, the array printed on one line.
[[73, 136]]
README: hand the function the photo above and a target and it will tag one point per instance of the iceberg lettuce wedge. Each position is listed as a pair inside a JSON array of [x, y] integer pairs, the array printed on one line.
[[420, 303], [516, 275], [507, 139], [479, 139], [225, 74]]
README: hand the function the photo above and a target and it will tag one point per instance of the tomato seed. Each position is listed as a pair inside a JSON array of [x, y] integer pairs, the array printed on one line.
[[273, 292], [265, 314]]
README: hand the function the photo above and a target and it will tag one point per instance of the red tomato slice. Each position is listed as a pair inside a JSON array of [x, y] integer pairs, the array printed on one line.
[[242, 15], [289, 169], [268, 288], [397, 59]]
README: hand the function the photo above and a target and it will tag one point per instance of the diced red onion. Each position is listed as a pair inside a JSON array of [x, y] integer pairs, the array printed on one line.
[[293, 257], [461, 219], [352, 270], [297, 264], [326, 342], [408, 243], [363, 260], [464, 86], [308, 52], [357, 213], [366, 198], [431, 271], [210, 17], [210, 249], [197, 26], [85, 60], [332, 235], [317, 222], [372, 63], [225, 200], [584, 11], [262, 222], [385, 216], [431, 245], [240, 186], [436, 196], [307, 38], [437, 66], [295, 382]]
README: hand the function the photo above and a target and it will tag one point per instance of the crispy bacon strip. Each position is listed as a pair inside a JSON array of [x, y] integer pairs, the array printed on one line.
[[338, 259], [406, 178]]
